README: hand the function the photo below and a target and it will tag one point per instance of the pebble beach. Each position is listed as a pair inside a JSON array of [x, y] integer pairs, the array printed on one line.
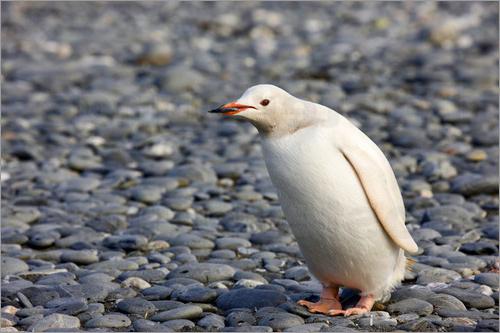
[[126, 207]]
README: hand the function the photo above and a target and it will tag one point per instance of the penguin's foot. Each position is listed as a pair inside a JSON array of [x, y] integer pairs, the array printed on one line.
[[364, 305], [324, 306], [328, 301]]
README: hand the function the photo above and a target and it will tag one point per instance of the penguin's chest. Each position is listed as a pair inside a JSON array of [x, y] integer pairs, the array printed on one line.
[[323, 201], [314, 180]]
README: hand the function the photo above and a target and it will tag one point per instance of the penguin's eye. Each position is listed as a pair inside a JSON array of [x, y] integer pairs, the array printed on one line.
[[264, 102]]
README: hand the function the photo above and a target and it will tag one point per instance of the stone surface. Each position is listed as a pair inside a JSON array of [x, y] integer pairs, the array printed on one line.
[[123, 199], [250, 298]]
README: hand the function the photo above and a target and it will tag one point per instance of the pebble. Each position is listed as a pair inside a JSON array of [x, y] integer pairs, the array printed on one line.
[[181, 312], [197, 294], [121, 195], [470, 299], [411, 305], [109, 321], [211, 322], [433, 275], [203, 272], [489, 279], [12, 266], [250, 298], [136, 306], [53, 321], [135, 282]]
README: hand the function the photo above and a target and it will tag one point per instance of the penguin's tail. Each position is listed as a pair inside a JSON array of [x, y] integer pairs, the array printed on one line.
[[409, 264]]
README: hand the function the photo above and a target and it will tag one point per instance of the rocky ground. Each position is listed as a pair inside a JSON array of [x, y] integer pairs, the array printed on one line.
[[126, 207]]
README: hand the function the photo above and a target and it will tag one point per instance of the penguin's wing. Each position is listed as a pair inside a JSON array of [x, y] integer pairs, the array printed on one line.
[[379, 183]]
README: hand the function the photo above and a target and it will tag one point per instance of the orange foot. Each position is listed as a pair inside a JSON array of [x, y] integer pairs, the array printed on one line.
[[328, 302], [364, 305]]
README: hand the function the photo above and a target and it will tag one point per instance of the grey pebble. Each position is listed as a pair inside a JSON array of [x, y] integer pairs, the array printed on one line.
[[136, 306], [109, 321], [203, 272], [211, 322], [489, 279], [55, 320], [411, 305], [182, 312], [12, 266], [250, 298]]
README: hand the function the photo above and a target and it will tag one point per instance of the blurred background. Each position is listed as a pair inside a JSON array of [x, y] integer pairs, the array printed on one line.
[[104, 120]]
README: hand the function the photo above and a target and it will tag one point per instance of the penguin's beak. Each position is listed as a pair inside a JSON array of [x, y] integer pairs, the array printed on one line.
[[231, 108]]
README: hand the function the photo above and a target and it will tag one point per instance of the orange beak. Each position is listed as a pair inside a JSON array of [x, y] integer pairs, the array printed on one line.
[[231, 108]]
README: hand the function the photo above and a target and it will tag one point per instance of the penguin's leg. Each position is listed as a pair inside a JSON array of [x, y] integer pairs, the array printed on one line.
[[328, 301], [364, 305]]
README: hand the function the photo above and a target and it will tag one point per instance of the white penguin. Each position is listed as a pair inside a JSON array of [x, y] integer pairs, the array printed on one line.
[[338, 192]]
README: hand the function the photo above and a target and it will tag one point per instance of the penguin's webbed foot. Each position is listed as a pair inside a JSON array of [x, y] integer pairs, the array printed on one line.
[[328, 302], [324, 306], [364, 305]]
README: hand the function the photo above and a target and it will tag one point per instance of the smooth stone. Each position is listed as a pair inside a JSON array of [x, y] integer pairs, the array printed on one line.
[[489, 279], [197, 294], [231, 243], [109, 321], [411, 305], [156, 292], [432, 275], [136, 306], [203, 272], [247, 329], [250, 298], [12, 266], [313, 327], [81, 257], [91, 292], [192, 241], [474, 184], [143, 325], [211, 322], [419, 325], [470, 299], [40, 295], [280, 321], [444, 302], [55, 320], [67, 305], [149, 275], [182, 312], [487, 325], [241, 317], [179, 325], [125, 242]]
